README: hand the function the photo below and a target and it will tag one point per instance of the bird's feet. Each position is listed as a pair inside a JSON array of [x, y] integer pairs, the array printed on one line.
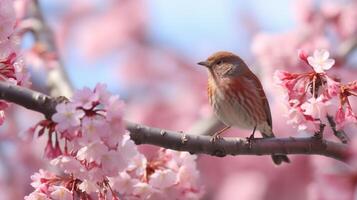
[[250, 140], [215, 137]]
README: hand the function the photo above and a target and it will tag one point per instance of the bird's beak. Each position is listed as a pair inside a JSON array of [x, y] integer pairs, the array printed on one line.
[[203, 63]]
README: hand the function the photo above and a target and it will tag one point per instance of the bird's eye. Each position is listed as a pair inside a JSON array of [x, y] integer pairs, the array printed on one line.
[[219, 62]]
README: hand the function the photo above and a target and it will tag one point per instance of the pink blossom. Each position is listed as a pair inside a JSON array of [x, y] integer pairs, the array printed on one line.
[[321, 61], [92, 152], [115, 113], [143, 190], [315, 108], [102, 93], [127, 149], [85, 98], [176, 159], [350, 116], [344, 117], [88, 186], [93, 128], [296, 115], [138, 164], [340, 117], [171, 175], [7, 48], [67, 116], [52, 151], [312, 96], [333, 87], [163, 178], [97, 147], [303, 55], [61, 193], [68, 164], [185, 176], [41, 177], [37, 195], [123, 183], [114, 162]]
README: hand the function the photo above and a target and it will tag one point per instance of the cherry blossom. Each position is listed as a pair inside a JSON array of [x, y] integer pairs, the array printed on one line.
[[61, 193], [320, 61], [37, 196], [11, 64], [100, 159], [312, 96], [85, 98], [170, 175], [90, 153], [88, 157], [163, 179], [123, 183], [314, 108], [67, 116], [88, 187]]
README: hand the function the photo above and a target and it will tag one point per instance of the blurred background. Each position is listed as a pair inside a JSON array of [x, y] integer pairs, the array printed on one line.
[[146, 51], [98, 33]]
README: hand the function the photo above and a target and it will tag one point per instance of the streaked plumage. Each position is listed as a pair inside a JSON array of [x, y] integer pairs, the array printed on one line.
[[237, 96]]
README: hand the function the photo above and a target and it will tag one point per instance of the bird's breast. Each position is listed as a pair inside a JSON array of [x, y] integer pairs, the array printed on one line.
[[228, 105]]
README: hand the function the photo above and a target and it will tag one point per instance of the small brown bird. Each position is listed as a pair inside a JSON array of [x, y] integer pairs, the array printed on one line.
[[237, 97]]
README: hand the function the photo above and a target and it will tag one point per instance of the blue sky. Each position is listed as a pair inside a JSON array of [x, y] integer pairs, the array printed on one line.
[[193, 28], [202, 26]]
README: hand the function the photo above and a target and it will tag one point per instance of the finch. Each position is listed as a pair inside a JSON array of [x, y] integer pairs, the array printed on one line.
[[238, 98]]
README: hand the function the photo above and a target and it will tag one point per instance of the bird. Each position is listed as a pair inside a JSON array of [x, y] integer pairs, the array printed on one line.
[[238, 98]]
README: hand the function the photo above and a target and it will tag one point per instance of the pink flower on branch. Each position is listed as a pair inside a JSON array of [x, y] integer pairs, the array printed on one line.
[[320, 61], [11, 64], [99, 159], [67, 116], [312, 96], [88, 156], [85, 98]]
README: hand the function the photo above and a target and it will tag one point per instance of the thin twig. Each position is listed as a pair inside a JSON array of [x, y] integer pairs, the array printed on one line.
[[340, 134], [141, 134]]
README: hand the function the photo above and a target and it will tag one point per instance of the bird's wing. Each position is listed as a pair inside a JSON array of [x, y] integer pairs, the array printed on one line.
[[263, 99]]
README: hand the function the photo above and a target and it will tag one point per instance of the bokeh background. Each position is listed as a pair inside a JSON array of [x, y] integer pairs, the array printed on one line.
[[146, 51], [192, 30]]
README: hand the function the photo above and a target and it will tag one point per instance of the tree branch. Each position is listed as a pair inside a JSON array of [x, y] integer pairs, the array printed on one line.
[[57, 78], [196, 144]]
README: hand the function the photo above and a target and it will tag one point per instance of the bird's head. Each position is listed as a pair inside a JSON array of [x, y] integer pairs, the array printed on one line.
[[224, 64]]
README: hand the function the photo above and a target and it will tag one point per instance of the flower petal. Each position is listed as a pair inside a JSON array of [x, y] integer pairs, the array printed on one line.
[[328, 64]]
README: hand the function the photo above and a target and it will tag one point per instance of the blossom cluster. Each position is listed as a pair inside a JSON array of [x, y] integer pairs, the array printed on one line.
[[314, 96], [11, 64], [88, 142], [171, 175]]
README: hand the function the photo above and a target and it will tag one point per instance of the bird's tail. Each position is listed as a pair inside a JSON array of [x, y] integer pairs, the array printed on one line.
[[277, 158]]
